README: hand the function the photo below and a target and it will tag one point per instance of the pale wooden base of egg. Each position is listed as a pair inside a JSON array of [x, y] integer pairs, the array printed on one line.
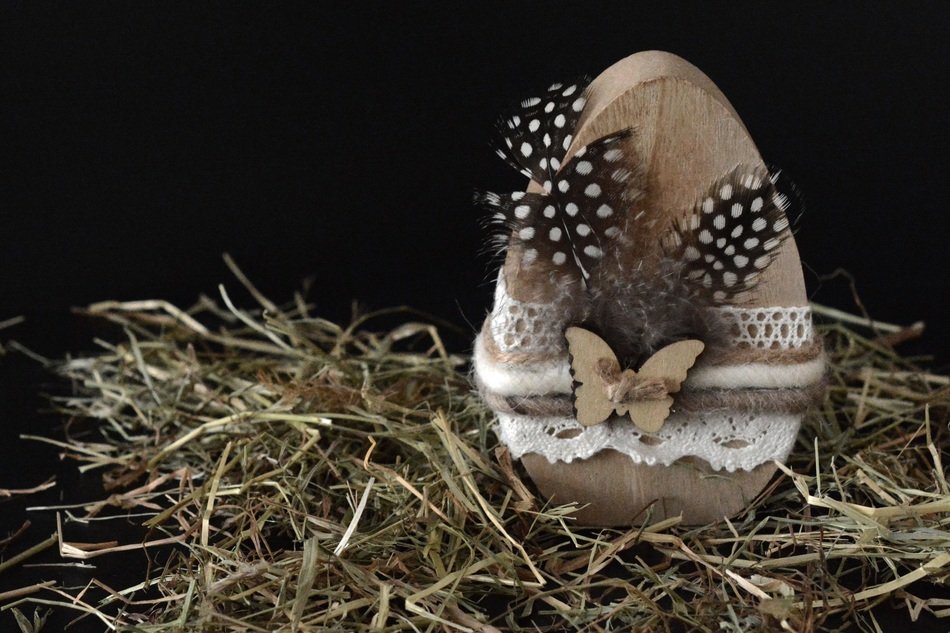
[[688, 135], [610, 489]]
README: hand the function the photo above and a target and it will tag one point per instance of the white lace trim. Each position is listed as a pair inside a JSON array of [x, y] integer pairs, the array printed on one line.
[[726, 441], [529, 328], [538, 328], [769, 328]]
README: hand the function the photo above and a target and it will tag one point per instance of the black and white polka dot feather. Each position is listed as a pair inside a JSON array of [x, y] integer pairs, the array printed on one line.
[[535, 136], [732, 234], [569, 227]]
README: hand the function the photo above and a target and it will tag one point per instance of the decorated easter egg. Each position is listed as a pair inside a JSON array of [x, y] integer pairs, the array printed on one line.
[[650, 346]]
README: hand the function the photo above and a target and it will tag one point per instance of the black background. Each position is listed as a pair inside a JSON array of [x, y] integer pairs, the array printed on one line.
[[138, 142]]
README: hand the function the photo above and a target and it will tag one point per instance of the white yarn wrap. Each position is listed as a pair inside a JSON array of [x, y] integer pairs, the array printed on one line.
[[553, 377], [726, 440]]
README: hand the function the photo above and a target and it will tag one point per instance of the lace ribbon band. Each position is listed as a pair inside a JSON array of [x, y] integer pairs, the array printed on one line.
[[740, 406], [535, 331], [724, 440]]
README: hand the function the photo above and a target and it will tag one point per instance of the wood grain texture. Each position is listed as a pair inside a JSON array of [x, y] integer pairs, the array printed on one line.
[[611, 490], [687, 135]]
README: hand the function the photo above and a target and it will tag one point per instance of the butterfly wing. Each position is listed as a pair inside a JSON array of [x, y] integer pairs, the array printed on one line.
[[671, 364], [649, 415], [590, 399]]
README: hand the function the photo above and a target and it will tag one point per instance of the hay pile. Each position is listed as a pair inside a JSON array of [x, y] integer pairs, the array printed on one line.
[[313, 477]]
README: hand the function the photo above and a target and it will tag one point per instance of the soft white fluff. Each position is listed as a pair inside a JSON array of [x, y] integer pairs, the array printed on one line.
[[757, 375], [509, 379]]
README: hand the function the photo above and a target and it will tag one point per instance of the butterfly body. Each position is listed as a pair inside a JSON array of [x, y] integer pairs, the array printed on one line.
[[604, 389]]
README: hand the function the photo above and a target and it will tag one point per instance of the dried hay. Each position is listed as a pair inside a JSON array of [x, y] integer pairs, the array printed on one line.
[[314, 477]]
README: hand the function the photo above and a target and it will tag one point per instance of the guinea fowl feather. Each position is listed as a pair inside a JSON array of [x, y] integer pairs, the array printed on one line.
[[586, 221]]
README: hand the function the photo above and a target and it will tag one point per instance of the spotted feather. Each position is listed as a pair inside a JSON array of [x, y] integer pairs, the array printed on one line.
[[536, 135], [732, 234], [569, 227]]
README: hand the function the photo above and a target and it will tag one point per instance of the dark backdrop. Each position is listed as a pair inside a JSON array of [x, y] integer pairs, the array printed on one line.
[[138, 142]]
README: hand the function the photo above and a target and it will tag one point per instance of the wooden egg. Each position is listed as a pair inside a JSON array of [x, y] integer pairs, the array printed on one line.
[[710, 459]]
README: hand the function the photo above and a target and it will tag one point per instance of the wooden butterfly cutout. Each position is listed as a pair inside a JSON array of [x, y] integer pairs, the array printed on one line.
[[602, 387]]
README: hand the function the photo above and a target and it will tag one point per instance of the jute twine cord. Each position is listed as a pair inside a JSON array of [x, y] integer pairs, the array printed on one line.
[[796, 400]]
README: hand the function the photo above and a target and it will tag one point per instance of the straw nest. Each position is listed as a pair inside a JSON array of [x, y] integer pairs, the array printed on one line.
[[292, 474]]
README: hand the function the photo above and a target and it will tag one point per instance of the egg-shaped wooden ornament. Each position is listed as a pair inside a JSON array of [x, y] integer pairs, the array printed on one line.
[[650, 343]]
